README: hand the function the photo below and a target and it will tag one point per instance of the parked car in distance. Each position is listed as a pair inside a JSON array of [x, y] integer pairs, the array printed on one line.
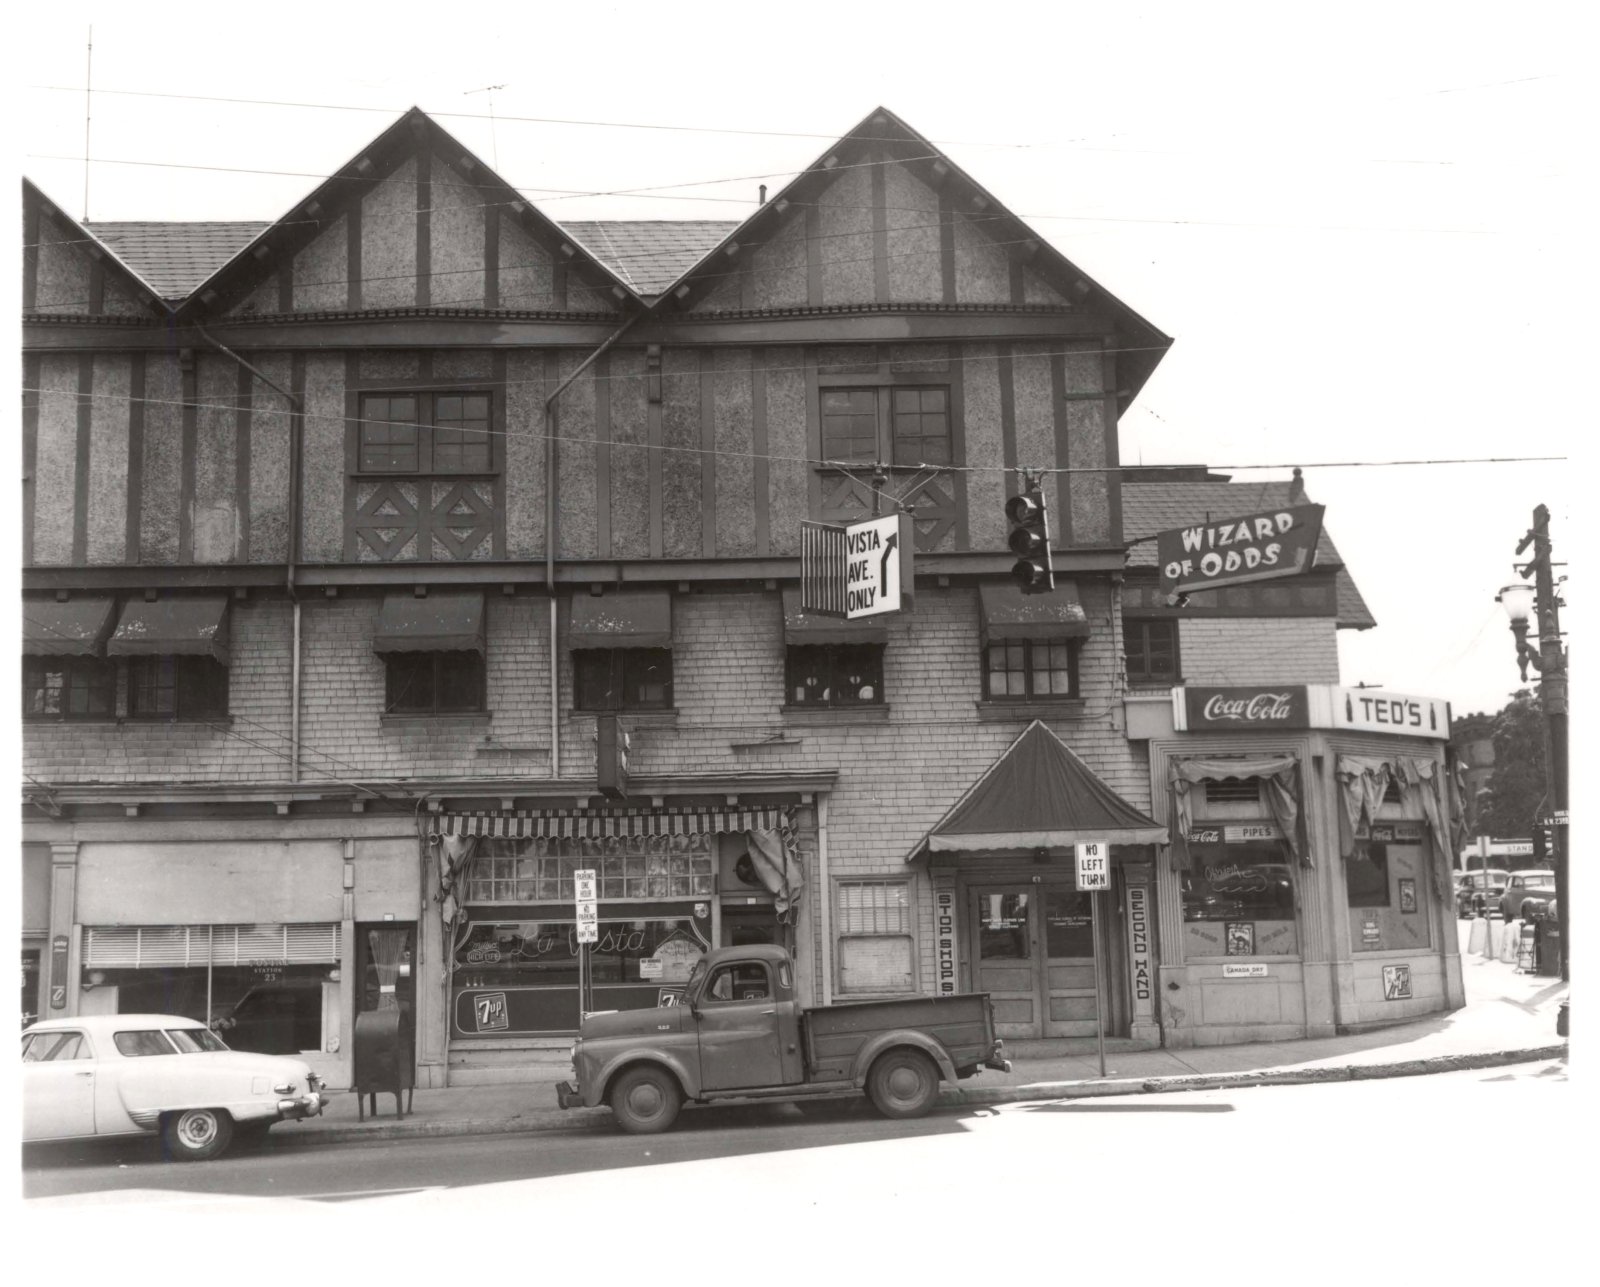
[[1477, 892], [1527, 891], [123, 1074]]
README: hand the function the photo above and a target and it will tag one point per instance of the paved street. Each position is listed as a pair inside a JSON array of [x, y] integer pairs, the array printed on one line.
[[1406, 1151]]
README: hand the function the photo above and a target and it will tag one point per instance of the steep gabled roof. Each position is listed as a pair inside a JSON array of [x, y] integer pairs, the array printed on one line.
[[176, 257], [412, 132], [1144, 344], [650, 254], [132, 276], [1038, 795], [1185, 496]]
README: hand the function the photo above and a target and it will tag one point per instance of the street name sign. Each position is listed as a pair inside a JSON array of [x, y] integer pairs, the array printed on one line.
[[856, 570]]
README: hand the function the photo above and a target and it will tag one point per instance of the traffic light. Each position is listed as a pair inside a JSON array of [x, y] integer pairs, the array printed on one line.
[[1030, 541]]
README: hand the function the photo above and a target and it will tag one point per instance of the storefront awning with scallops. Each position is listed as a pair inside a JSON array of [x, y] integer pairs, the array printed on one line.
[[1037, 795]]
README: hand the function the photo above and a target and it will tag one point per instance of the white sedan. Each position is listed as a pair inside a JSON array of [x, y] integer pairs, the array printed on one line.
[[121, 1074]]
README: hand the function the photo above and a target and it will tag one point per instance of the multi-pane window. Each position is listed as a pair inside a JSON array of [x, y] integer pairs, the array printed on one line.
[[1020, 668], [540, 869], [177, 688], [433, 683], [622, 679], [835, 674], [874, 927], [68, 688], [427, 433], [1151, 649], [904, 425]]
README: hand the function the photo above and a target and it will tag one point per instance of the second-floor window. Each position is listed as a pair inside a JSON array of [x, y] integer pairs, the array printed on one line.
[[835, 674], [1151, 650], [433, 683], [903, 425], [68, 688], [177, 688], [425, 433], [1030, 668], [622, 679]]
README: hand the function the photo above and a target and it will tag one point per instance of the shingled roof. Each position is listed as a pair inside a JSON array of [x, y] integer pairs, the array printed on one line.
[[648, 254], [1181, 497], [176, 257]]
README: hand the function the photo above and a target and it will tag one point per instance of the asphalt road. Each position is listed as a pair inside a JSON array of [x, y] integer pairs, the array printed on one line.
[[1383, 1168]]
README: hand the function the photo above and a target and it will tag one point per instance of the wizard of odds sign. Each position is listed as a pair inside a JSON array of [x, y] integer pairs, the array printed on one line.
[[1257, 547]]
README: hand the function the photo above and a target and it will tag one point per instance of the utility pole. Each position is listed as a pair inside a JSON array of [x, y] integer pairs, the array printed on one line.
[[1551, 662]]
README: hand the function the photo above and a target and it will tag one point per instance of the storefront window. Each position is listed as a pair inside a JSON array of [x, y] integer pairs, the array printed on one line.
[[1238, 898], [1386, 884], [875, 948]]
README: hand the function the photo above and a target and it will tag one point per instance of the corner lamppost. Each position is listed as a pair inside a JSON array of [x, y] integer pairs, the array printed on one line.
[[1521, 602]]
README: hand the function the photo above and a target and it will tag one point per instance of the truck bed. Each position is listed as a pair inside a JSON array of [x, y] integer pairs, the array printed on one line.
[[833, 1034]]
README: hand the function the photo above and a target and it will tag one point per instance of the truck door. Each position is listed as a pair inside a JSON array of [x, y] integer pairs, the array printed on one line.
[[739, 1028]]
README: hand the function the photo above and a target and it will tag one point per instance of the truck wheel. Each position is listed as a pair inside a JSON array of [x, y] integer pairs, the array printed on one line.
[[196, 1134], [646, 1100], [903, 1083]]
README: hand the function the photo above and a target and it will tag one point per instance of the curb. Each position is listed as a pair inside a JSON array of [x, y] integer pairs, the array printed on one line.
[[567, 1119]]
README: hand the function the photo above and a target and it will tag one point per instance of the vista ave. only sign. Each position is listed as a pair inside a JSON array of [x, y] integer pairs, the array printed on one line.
[[858, 570]]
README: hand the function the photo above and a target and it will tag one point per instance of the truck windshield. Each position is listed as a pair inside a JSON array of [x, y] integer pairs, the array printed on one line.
[[696, 977]]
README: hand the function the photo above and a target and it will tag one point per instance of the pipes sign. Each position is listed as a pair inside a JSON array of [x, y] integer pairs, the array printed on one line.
[[1094, 865]]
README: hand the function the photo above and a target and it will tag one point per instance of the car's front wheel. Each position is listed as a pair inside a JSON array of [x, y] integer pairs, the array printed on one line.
[[196, 1134], [646, 1100]]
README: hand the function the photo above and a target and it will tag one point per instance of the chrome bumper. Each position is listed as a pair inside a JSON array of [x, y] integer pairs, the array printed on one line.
[[568, 1095], [302, 1106]]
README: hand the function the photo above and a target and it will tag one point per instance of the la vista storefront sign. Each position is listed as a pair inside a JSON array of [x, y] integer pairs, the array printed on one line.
[[1279, 707]]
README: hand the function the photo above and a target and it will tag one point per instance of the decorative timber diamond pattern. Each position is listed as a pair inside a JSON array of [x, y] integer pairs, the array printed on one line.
[[848, 499], [422, 519]]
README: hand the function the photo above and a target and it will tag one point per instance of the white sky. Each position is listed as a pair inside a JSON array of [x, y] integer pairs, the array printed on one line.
[[1358, 221]]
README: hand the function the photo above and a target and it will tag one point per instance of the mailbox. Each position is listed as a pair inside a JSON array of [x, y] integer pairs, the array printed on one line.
[[383, 1058]]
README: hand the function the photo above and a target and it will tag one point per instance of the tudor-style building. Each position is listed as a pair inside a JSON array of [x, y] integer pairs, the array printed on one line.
[[356, 543]]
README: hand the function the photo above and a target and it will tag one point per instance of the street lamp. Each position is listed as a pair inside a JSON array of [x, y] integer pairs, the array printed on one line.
[[1521, 602]]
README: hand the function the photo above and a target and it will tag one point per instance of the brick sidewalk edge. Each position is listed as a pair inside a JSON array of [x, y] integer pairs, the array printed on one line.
[[954, 1097]]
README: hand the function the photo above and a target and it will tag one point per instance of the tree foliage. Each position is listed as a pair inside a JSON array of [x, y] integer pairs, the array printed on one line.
[[1517, 787]]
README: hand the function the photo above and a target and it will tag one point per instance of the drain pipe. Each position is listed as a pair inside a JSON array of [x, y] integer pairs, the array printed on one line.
[[550, 534], [296, 420]]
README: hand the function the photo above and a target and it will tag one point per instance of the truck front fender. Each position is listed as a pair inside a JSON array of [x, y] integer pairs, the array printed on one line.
[[868, 1054], [688, 1076]]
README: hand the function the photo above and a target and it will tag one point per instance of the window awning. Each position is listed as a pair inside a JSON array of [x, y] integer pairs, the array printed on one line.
[[810, 628], [1007, 613], [437, 623], [1038, 795], [76, 628], [601, 824], [176, 627], [621, 619]]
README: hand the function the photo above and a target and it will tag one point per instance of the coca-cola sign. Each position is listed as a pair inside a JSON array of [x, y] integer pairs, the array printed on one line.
[[1279, 707]]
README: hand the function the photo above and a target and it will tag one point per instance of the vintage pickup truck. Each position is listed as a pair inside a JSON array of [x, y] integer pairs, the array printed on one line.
[[738, 1033]]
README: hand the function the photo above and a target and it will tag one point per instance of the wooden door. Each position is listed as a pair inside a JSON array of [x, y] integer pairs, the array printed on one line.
[[1004, 947], [1067, 962]]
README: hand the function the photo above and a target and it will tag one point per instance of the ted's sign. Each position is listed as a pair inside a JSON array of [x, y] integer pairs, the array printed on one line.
[[1257, 547]]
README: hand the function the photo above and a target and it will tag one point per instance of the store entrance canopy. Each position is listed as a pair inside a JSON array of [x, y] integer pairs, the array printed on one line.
[[1038, 795]]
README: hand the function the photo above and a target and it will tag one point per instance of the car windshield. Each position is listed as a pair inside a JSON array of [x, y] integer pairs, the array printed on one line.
[[192, 1040], [695, 975]]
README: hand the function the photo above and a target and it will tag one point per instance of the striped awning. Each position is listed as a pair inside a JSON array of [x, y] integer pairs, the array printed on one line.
[[598, 824]]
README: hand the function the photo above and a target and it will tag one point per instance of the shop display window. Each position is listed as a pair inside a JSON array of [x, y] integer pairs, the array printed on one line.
[[1238, 900], [268, 1009], [1386, 887]]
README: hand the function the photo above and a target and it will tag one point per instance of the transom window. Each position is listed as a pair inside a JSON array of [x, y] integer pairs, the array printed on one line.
[[1021, 668], [433, 683], [425, 433], [177, 688], [622, 679], [835, 674], [68, 688], [540, 869], [1151, 650], [905, 425]]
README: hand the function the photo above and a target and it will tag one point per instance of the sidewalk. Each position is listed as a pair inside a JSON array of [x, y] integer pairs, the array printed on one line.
[[1509, 1018]]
